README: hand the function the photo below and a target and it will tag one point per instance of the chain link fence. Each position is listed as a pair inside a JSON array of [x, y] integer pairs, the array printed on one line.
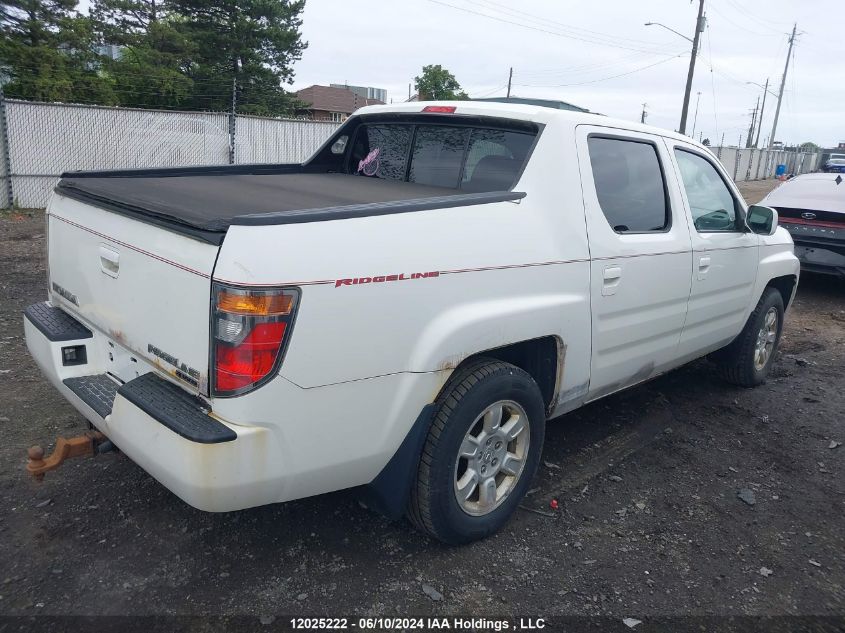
[[260, 140], [46, 139], [40, 141]]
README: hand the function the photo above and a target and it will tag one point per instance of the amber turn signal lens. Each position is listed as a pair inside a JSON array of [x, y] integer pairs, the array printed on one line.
[[254, 305]]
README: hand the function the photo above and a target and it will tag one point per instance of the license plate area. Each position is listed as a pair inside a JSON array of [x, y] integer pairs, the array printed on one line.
[[122, 363]]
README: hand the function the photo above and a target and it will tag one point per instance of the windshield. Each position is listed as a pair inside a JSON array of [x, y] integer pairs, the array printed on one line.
[[837, 161]]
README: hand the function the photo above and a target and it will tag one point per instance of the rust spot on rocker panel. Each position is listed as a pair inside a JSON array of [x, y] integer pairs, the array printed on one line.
[[119, 337]]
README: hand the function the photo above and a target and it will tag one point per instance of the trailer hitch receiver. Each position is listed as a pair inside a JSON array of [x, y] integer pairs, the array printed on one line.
[[84, 445]]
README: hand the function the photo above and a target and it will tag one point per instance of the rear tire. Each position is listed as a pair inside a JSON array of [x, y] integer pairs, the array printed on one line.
[[747, 360], [481, 452]]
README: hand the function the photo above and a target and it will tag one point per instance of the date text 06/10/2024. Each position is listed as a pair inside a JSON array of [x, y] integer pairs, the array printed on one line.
[[421, 624]]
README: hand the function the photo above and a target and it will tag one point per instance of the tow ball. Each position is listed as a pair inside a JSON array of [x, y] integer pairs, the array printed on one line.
[[85, 445]]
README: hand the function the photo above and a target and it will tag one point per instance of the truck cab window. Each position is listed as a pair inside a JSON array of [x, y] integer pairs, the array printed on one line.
[[438, 155], [380, 151], [712, 206], [471, 159], [494, 159], [629, 184]]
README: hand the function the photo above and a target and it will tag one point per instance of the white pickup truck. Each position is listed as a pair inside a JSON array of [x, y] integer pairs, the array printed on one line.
[[403, 311]]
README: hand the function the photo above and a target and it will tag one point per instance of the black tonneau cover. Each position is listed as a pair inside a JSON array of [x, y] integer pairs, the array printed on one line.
[[204, 202]]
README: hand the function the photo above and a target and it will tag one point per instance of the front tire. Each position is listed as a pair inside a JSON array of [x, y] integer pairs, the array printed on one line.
[[481, 452], [747, 360]]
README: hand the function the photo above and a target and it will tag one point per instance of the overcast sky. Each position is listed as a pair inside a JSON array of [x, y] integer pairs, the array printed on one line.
[[598, 55]]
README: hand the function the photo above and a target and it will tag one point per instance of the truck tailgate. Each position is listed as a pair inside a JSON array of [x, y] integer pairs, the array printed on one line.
[[146, 288]]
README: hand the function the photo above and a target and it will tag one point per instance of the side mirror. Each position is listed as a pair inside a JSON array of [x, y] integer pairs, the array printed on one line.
[[762, 220]]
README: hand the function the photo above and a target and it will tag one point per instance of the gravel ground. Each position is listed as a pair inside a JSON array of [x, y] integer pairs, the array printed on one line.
[[649, 520]]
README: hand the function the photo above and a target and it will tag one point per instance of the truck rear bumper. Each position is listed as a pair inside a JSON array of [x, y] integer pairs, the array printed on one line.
[[210, 464]]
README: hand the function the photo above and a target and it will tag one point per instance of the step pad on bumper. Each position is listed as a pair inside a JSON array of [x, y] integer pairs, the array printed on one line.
[[56, 324], [97, 392], [176, 409]]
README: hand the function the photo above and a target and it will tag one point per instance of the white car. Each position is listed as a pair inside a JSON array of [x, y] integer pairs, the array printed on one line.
[[812, 208], [403, 311]]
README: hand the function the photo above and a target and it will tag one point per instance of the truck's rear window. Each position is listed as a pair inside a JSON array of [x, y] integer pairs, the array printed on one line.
[[473, 159]]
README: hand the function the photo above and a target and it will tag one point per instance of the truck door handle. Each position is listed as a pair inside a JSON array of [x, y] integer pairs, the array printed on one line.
[[109, 261], [703, 266], [611, 277]]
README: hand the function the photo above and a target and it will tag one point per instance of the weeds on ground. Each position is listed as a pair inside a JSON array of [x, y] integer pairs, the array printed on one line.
[[17, 213]]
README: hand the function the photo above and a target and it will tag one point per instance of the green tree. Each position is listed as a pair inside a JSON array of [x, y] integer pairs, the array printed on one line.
[[152, 72], [48, 53], [437, 83], [250, 43], [155, 56], [124, 22], [34, 23]]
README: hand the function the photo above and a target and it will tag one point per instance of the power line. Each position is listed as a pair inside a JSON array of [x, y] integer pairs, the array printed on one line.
[[593, 81], [757, 18], [542, 30], [740, 26], [585, 68], [106, 73], [543, 21], [490, 92]]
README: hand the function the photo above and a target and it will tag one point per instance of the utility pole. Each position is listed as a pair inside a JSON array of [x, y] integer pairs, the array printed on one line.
[[737, 156], [695, 118], [510, 78], [699, 27], [5, 155], [760, 119], [782, 84], [644, 114], [748, 141], [232, 119]]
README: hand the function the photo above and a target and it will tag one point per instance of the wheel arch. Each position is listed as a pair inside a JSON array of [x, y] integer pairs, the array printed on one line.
[[542, 358], [778, 269], [786, 286]]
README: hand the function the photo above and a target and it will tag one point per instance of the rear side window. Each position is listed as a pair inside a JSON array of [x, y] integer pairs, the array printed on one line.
[[473, 159], [629, 184], [494, 159]]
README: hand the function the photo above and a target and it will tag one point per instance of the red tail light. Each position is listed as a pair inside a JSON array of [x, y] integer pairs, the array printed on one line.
[[250, 332], [440, 109]]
